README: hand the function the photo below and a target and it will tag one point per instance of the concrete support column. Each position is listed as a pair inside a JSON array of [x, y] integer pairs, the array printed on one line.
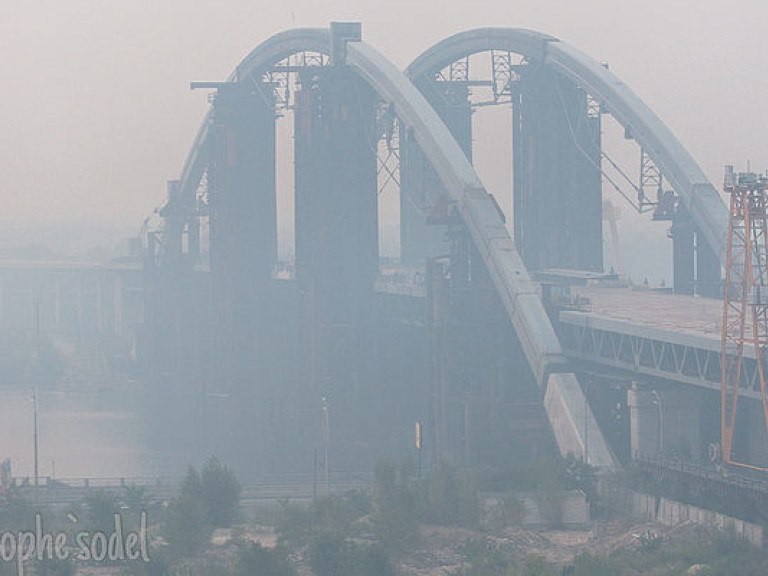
[[752, 437], [645, 419], [708, 269], [664, 421], [337, 255], [696, 267], [243, 226], [57, 303], [420, 186], [557, 180], [681, 412], [683, 263], [118, 304]]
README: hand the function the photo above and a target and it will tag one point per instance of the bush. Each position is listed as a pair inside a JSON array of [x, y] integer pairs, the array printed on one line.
[[331, 555], [508, 511], [253, 559], [485, 561], [333, 514], [537, 566], [327, 554], [451, 498], [101, 508], [588, 565]]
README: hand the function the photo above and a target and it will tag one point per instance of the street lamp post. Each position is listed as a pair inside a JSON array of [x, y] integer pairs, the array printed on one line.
[[586, 423], [660, 408], [34, 438], [327, 441]]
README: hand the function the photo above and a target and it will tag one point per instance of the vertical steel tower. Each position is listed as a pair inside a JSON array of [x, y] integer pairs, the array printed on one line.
[[745, 306]]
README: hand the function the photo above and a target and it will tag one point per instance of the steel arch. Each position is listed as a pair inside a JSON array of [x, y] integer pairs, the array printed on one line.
[[265, 54], [698, 195], [518, 293]]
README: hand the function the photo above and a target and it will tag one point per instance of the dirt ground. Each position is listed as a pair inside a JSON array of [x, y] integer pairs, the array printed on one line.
[[441, 549]]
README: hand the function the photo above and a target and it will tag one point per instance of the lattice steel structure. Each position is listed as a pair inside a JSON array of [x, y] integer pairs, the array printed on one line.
[[745, 306]]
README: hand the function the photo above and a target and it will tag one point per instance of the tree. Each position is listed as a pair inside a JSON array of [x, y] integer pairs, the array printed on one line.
[[221, 493], [327, 554], [101, 508], [187, 526]]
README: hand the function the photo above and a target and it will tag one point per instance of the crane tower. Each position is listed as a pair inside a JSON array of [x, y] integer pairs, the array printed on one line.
[[745, 305]]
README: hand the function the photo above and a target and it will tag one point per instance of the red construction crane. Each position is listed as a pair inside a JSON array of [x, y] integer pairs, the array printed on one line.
[[745, 306]]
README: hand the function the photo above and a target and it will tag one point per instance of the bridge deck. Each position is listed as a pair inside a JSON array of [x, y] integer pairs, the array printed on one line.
[[653, 333], [675, 318]]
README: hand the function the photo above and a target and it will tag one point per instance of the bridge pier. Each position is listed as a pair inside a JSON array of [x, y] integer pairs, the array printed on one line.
[[750, 436], [485, 406], [696, 266], [235, 393], [337, 256], [243, 228], [709, 275], [170, 332], [557, 180], [420, 186], [665, 421]]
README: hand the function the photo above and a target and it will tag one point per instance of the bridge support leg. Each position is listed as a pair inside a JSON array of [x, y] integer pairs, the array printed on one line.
[[557, 181], [574, 424], [485, 405], [243, 222], [696, 267], [170, 307], [751, 438], [420, 186], [645, 423], [709, 275], [243, 254], [683, 263], [337, 257], [665, 421]]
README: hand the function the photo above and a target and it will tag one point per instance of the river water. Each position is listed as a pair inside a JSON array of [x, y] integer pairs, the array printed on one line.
[[83, 433]]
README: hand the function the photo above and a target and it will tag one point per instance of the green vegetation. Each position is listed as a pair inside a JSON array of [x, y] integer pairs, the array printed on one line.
[[485, 561], [570, 473], [369, 534], [207, 500], [220, 493], [252, 558], [718, 555], [536, 566]]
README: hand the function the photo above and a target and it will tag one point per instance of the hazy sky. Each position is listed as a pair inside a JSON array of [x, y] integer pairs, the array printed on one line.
[[97, 114]]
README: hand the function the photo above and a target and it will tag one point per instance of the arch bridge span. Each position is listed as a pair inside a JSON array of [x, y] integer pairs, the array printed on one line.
[[571, 419], [697, 194]]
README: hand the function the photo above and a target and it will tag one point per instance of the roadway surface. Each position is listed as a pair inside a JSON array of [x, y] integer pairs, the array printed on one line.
[[672, 317]]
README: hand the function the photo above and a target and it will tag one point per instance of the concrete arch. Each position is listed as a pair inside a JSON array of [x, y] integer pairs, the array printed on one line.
[[696, 192]]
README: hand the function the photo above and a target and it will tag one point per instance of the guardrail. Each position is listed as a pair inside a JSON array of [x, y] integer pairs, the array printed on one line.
[[254, 488]]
